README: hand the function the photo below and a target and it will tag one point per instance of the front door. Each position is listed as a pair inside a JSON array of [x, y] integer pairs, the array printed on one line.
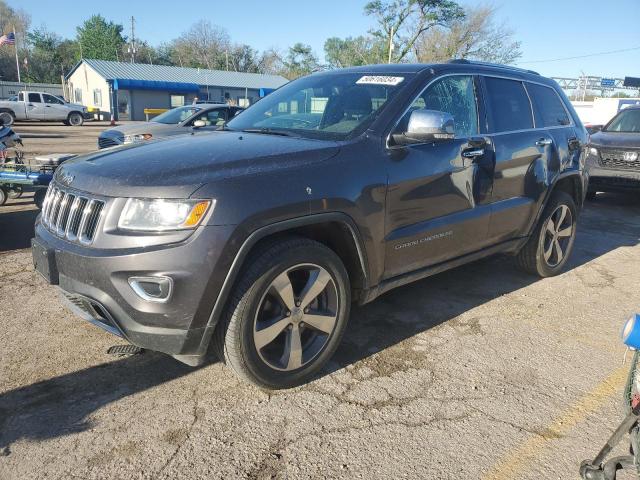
[[55, 109], [124, 105], [437, 205], [35, 106]]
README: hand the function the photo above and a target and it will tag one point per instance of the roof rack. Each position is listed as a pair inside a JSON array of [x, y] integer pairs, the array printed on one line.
[[488, 64]]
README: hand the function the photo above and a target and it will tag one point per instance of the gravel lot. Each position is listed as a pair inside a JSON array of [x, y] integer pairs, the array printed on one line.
[[480, 372]]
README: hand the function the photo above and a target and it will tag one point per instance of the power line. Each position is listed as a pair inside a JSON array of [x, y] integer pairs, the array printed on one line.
[[582, 56]]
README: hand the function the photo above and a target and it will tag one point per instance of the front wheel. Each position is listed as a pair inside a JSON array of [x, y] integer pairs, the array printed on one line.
[[550, 245], [75, 119], [286, 315]]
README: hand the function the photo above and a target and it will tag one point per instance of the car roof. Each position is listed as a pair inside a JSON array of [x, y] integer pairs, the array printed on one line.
[[455, 65]]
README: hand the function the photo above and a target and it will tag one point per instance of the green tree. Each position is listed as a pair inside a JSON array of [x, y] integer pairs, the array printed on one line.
[[300, 60], [99, 39], [353, 51], [49, 56], [402, 22], [10, 19]]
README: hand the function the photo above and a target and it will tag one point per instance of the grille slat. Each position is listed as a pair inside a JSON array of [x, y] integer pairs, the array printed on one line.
[[615, 159], [72, 216]]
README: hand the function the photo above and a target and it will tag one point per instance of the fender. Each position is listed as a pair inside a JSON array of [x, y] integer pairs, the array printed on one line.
[[561, 176], [242, 254]]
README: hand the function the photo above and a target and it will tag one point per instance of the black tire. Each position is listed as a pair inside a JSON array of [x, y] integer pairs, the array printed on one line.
[[14, 191], [8, 118], [235, 338], [591, 195], [532, 256], [3, 196], [75, 119], [38, 197]]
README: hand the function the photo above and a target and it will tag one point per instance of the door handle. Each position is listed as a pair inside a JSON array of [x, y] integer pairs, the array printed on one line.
[[478, 152], [543, 142]]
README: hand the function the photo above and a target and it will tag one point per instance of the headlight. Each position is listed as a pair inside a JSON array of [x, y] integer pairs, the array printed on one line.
[[157, 215], [593, 151], [140, 137], [631, 332]]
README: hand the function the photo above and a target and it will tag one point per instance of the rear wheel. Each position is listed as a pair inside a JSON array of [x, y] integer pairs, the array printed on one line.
[[551, 243], [3, 196], [7, 118], [286, 315], [75, 119]]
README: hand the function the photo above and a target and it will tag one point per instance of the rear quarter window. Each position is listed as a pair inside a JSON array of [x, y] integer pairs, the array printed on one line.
[[508, 104], [547, 106]]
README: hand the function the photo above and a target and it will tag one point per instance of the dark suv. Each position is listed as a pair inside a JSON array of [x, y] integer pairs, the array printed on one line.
[[613, 156], [334, 189]]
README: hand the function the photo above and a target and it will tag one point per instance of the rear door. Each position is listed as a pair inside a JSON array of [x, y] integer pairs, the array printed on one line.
[[35, 106], [437, 195], [522, 154], [551, 114]]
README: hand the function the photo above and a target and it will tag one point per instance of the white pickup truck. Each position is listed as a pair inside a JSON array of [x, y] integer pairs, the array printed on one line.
[[41, 106]]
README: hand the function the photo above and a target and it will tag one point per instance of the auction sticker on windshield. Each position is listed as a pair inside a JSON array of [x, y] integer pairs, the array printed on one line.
[[380, 80]]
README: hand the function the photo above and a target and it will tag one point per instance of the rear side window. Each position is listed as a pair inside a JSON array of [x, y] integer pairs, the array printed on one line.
[[548, 107], [509, 107], [35, 98]]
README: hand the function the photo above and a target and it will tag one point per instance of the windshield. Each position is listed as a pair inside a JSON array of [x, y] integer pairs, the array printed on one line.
[[177, 115], [627, 121], [325, 106]]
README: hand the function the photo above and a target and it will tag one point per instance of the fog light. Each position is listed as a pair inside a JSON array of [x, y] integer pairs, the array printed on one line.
[[631, 332], [152, 289]]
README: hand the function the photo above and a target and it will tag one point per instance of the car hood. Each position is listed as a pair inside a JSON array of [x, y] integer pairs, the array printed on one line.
[[616, 140], [177, 167], [154, 128]]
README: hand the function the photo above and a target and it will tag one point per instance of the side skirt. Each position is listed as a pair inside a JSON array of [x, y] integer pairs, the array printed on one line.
[[508, 247]]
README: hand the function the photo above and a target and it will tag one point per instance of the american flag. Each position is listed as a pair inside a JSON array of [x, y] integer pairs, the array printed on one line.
[[8, 39]]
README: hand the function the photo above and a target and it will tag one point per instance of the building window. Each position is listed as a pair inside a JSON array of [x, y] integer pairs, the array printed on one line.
[[97, 97], [77, 94], [177, 101]]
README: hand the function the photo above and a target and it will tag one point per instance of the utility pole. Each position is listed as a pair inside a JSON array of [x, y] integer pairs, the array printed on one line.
[[132, 45], [390, 44]]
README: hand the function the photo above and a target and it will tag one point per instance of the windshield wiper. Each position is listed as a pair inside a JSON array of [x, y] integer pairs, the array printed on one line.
[[269, 131]]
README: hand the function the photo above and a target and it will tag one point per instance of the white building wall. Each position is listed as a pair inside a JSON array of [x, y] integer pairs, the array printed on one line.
[[83, 83]]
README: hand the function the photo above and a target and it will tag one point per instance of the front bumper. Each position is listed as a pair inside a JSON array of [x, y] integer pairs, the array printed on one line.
[[94, 284], [609, 179]]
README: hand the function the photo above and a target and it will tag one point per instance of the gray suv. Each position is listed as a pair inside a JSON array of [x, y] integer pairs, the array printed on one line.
[[256, 239], [613, 161]]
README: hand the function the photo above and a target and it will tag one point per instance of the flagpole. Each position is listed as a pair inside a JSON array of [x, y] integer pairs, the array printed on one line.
[[15, 45]]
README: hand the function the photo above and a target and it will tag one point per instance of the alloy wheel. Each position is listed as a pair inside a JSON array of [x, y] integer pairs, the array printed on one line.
[[558, 231], [296, 317]]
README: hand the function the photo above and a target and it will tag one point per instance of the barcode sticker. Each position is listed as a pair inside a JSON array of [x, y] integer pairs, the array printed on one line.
[[380, 80]]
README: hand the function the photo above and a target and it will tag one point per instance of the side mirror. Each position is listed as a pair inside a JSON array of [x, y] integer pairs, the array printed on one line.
[[427, 126], [199, 124]]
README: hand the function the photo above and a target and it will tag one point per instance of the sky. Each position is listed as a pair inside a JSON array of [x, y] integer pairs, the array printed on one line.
[[548, 29]]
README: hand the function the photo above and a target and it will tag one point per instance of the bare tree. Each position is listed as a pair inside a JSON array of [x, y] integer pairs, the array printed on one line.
[[204, 45], [402, 22], [475, 37]]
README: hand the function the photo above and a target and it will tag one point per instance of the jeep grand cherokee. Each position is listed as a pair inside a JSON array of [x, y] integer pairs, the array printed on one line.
[[334, 189]]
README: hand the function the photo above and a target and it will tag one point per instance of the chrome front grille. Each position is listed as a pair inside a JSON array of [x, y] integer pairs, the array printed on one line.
[[71, 215], [616, 159]]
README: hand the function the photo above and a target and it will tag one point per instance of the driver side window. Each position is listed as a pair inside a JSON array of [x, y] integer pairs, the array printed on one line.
[[454, 95]]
